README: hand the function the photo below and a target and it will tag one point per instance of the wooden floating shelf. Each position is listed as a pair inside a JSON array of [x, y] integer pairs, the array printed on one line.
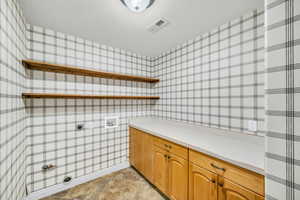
[[79, 96], [42, 66]]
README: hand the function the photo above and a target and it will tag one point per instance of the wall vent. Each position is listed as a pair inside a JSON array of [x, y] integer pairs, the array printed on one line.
[[158, 25]]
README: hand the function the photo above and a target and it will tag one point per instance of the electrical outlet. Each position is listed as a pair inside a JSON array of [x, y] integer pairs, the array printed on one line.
[[252, 125], [111, 122]]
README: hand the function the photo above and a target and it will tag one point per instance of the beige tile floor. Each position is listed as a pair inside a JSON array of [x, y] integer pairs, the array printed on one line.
[[126, 184]]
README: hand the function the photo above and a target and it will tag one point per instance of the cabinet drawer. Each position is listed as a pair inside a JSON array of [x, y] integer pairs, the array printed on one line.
[[171, 147], [203, 160], [241, 176]]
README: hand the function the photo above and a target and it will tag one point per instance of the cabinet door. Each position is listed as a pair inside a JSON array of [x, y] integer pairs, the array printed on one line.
[[231, 191], [178, 178], [136, 149], [160, 169], [132, 141], [139, 151], [148, 156], [202, 184]]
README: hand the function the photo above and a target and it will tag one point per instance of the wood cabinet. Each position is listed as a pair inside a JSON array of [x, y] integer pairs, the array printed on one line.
[[148, 156], [160, 172], [171, 147], [207, 185], [136, 147], [202, 184], [231, 191], [170, 172], [132, 146], [248, 179], [178, 178], [140, 152], [184, 174], [213, 179]]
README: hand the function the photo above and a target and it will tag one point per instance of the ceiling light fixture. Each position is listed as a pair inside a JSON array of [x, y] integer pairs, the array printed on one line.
[[137, 5]]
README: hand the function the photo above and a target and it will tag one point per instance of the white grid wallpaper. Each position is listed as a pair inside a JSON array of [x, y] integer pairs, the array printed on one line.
[[216, 79], [53, 137], [12, 110], [283, 100]]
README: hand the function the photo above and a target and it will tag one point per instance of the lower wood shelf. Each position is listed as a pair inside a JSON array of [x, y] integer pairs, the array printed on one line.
[[83, 96]]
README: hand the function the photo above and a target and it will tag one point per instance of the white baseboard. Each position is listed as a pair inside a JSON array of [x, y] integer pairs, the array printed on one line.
[[61, 187]]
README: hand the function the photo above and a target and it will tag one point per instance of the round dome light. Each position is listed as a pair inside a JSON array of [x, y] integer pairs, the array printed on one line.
[[137, 5]]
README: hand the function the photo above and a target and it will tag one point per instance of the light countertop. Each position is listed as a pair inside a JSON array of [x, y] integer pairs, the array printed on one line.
[[241, 149]]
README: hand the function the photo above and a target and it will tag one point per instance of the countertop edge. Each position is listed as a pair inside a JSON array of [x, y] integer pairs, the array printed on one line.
[[238, 163]]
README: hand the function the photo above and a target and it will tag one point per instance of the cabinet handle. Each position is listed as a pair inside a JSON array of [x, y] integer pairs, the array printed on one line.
[[170, 146], [220, 168], [166, 156], [221, 184], [213, 181], [169, 157]]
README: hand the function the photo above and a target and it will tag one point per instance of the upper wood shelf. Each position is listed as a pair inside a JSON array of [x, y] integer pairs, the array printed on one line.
[[79, 96], [42, 66]]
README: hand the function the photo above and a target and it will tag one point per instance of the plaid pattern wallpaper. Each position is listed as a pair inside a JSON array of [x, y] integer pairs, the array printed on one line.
[[53, 137], [283, 99], [216, 79], [12, 108]]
